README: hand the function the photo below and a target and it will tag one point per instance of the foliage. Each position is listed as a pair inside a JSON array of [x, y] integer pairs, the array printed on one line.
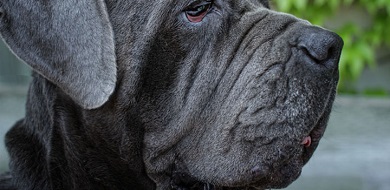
[[360, 42]]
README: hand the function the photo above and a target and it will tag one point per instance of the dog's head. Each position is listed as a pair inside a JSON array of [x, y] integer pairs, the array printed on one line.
[[229, 92]]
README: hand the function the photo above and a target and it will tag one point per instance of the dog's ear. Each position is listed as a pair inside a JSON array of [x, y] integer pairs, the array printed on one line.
[[68, 42]]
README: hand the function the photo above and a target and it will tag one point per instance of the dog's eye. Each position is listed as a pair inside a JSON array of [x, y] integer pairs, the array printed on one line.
[[196, 12]]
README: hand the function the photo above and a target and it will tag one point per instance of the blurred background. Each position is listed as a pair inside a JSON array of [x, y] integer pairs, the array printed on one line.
[[355, 151]]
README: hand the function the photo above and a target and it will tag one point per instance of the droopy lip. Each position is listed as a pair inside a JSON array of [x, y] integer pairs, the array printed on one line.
[[315, 137], [306, 142], [309, 144]]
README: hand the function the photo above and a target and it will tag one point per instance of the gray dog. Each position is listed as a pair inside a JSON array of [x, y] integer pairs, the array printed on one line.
[[166, 94]]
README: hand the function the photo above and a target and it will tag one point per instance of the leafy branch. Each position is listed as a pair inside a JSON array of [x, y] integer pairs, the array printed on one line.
[[360, 42]]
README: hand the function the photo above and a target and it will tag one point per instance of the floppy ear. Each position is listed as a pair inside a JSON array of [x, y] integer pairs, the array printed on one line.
[[69, 42]]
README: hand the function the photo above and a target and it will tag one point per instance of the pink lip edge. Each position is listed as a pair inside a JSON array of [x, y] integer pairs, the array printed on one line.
[[306, 141]]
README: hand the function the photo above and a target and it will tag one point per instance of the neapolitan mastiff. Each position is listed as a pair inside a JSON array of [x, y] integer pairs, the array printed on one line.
[[166, 94]]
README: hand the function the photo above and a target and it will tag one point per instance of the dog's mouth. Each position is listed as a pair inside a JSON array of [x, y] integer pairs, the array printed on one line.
[[311, 142], [270, 176], [283, 175]]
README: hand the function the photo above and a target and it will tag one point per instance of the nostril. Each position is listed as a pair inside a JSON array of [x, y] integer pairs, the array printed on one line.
[[319, 51], [312, 54]]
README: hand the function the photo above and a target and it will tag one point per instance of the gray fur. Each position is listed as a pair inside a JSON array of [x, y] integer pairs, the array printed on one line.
[[223, 103]]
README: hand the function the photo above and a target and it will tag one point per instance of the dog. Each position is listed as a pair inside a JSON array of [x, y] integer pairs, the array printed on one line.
[[166, 94]]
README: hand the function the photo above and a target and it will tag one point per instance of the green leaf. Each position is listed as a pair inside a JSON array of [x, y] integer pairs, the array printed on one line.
[[300, 4], [284, 5]]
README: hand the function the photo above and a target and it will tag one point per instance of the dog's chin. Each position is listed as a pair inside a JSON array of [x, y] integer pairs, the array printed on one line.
[[270, 172], [288, 172], [280, 178], [259, 178], [268, 177], [285, 174]]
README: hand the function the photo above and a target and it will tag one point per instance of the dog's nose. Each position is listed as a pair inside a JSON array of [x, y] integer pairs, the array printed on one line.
[[322, 46]]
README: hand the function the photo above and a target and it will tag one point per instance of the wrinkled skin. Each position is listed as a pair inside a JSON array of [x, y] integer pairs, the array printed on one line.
[[224, 103], [242, 100]]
